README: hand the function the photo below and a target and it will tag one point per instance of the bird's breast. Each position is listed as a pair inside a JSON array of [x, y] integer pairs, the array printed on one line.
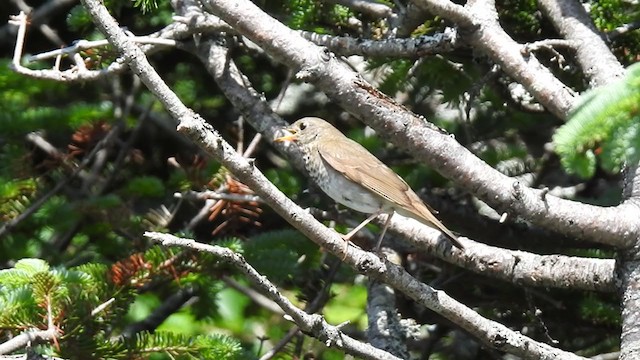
[[343, 190]]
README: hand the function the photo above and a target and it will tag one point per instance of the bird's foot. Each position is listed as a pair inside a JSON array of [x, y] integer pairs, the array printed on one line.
[[347, 242]]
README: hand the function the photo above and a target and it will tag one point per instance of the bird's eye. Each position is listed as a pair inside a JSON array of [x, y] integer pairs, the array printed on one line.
[[303, 126]]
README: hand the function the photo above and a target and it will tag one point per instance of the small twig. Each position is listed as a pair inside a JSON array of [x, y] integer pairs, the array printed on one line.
[[217, 195], [45, 29], [403, 47], [252, 145], [7, 226], [255, 296], [367, 7], [240, 144], [26, 337], [170, 305], [81, 45], [548, 44], [281, 344], [623, 29], [102, 306], [310, 323], [20, 21]]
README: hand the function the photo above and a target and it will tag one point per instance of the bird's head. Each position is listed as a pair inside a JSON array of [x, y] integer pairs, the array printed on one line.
[[307, 130]]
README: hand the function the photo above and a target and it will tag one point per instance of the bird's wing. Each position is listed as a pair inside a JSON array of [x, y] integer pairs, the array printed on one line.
[[360, 166]]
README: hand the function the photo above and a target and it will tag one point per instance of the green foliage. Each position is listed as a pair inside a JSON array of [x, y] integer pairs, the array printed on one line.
[[194, 94], [145, 186], [233, 244], [430, 75], [340, 14], [348, 304], [599, 311], [29, 105], [282, 255], [78, 19], [520, 17], [146, 5], [56, 212], [285, 180], [605, 127], [14, 196], [607, 15], [218, 347], [396, 78], [32, 292], [440, 74], [316, 16], [302, 13]]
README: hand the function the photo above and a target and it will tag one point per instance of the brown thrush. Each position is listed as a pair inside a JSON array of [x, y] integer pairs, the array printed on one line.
[[352, 176]]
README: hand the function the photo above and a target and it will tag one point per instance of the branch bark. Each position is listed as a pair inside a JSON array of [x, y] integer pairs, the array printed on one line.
[[571, 20], [310, 323], [192, 125], [616, 226], [518, 267]]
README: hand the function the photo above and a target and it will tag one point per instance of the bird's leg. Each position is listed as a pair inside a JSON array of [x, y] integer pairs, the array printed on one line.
[[384, 230], [356, 229], [362, 224]]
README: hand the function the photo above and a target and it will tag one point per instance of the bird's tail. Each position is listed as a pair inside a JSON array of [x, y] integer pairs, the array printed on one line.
[[431, 220]]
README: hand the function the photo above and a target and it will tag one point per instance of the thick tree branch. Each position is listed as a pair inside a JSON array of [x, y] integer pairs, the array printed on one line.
[[156, 41], [478, 21], [571, 20], [410, 18], [310, 323], [370, 8], [518, 267], [386, 330], [491, 39], [396, 48], [617, 226], [27, 337], [491, 333], [448, 10], [629, 273]]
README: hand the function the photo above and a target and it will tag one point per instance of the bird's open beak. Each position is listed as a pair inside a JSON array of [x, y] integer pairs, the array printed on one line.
[[291, 136]]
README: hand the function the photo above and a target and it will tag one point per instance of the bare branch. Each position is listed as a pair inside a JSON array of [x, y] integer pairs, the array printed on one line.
[[191, 124], [168, 307], [84, 45], [386, 331], [38, 17], [29, 336], [310, 323], [460, 15], [368, 7], [581, 272], [595, 58], [397, 48], [518, 267], [183, 27], [615, 226], [215, 195]]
